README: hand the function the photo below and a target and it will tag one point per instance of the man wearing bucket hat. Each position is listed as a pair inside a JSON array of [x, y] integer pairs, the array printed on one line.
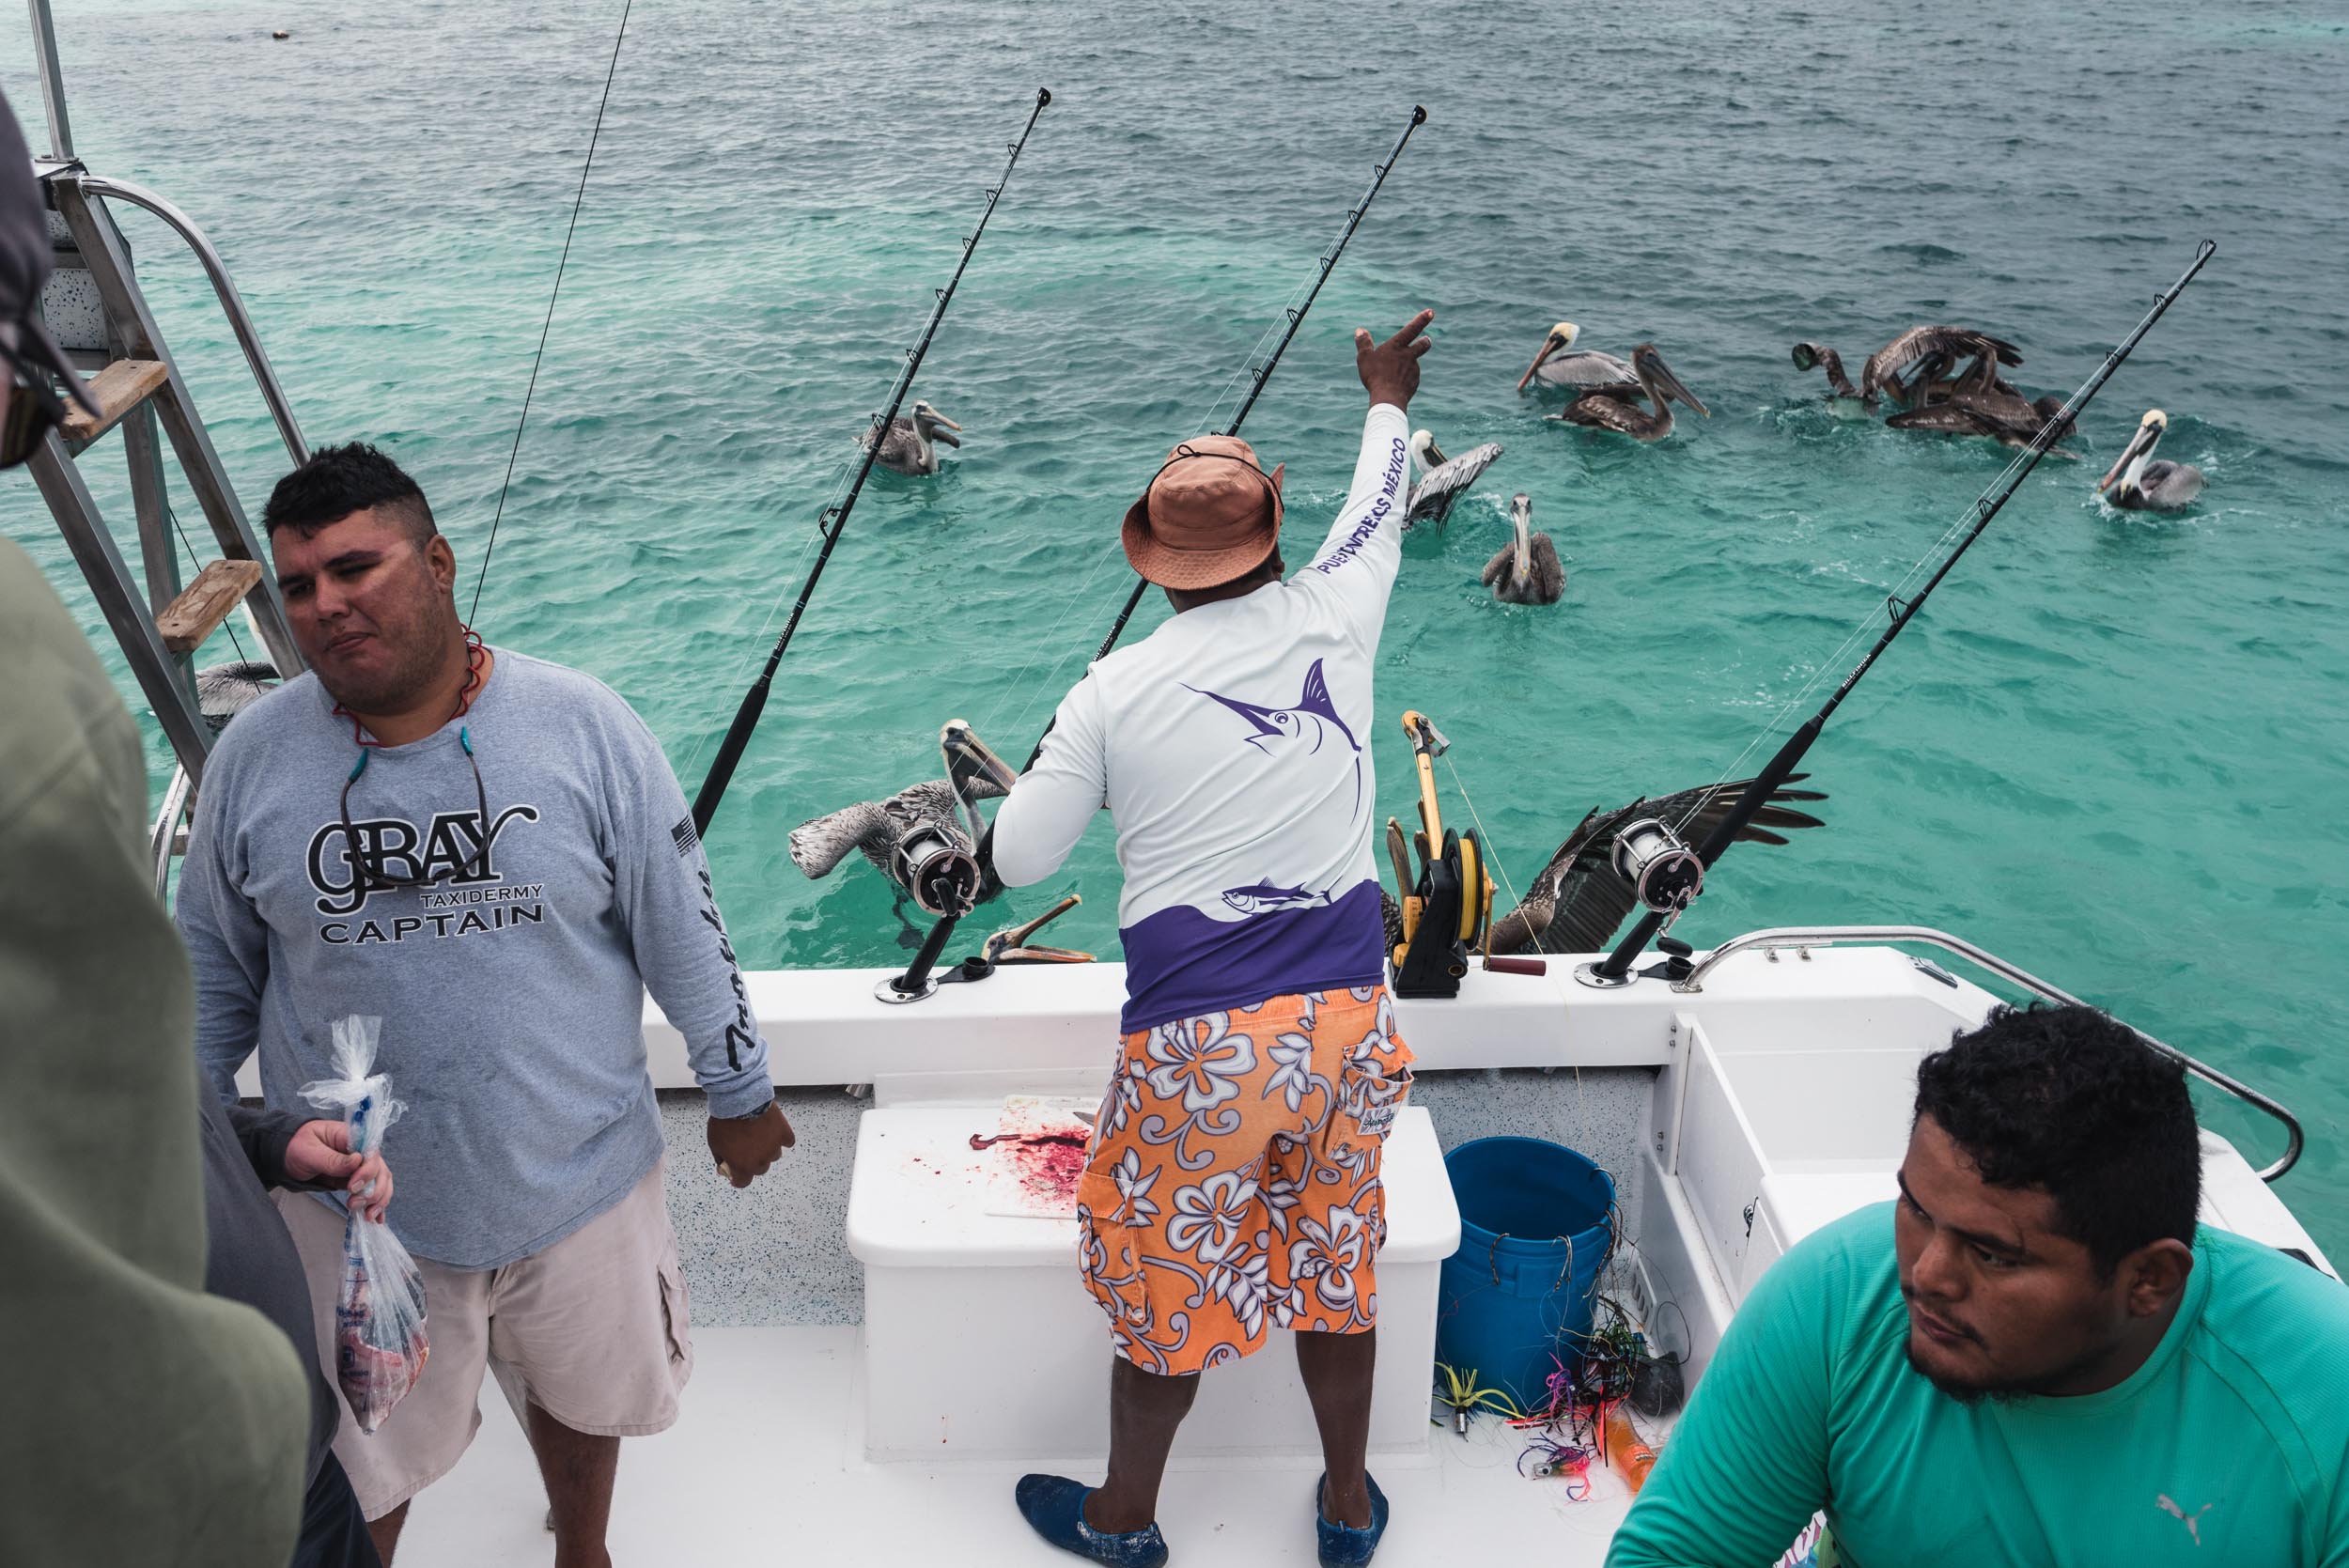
[[1232, 1186]]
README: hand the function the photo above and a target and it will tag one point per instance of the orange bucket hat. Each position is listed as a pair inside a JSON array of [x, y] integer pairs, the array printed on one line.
[[1210, 514]]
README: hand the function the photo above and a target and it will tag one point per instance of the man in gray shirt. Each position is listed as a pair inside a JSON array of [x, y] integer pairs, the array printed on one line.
[[490, 852]]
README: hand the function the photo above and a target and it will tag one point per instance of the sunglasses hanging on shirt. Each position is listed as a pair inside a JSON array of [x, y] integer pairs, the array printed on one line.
[[370, 860]]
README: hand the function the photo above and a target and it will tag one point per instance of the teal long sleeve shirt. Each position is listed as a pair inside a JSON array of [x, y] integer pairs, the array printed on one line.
[[2228, 1446]]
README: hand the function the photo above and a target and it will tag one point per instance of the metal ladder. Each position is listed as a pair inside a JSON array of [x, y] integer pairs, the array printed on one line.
[[94, 307]]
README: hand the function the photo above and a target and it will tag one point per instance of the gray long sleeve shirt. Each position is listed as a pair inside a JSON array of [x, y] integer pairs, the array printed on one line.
[[511, 991]]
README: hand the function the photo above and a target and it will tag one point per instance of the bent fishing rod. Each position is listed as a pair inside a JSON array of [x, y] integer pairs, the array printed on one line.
[[1655, 861], [916, 981], [836, 517]]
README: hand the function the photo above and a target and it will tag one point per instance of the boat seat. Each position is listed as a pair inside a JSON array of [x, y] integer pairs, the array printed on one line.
[[981, 1342]]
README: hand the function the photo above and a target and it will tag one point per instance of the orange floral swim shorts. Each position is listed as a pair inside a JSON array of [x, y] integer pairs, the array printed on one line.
[[1232, 1185]]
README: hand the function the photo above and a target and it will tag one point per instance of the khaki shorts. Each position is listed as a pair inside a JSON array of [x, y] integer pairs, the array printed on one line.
[[593, 1330]]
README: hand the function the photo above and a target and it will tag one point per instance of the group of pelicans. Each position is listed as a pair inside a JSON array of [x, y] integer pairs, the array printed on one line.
[[1946, 379], [1942, 378]]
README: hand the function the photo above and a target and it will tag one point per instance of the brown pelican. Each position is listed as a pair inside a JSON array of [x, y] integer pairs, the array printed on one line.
[[1578, 899], [2139, 484], [1443, 480], [1527, 569], [1843, 397], [911, 445], [1581, 372], [225, 690], [1979, 402], [1605, 411], [877, 827], [1941, 356]]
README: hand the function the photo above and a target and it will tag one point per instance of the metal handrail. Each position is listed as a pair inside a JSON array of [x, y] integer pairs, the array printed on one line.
[[163, 841], [1827, 935], [231, 302]]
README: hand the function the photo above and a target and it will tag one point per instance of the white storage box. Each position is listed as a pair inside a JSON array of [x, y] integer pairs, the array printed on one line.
[[981, 1342]]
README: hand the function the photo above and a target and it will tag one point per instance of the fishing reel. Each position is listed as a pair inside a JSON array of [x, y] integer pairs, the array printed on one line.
[[938, 862], [1665, 874], [939, 868], [1447, 905]]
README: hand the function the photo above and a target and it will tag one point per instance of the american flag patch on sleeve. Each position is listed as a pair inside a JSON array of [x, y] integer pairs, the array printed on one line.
[[685, 839]]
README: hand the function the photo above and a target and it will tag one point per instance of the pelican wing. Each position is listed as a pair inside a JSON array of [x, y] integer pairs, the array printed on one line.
[[1602, 411], [1927, 342], [1432, 497], [225, 690], [900, 449], [822, 842], [1550, 573], [1504, 561], [1587, 371], [1580, 900]]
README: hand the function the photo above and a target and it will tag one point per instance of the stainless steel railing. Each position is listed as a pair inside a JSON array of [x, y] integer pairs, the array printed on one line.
[[231, 302], [1800, 937]]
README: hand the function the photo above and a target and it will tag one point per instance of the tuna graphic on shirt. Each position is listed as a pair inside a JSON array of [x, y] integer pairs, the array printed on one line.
[[1304, 726], [1263, 896]]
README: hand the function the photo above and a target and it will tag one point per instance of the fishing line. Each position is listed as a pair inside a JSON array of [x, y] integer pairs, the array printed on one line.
[[835, 520], [1292, 317], [1614, 969], [547, 325]]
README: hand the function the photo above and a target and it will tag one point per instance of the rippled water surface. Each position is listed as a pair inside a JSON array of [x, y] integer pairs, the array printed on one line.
[[2113, 749]]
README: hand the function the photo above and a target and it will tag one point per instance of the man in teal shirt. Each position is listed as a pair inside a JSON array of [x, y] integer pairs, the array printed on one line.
[[2034, 1356]]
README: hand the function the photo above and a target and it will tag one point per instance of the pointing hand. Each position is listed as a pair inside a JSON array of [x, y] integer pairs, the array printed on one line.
[[1389, 370]]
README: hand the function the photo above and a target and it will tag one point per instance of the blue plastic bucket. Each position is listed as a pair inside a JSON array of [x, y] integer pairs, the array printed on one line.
[[1535, 1225]]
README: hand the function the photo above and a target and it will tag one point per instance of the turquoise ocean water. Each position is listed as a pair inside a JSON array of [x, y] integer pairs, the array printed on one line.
[[2112, 750]]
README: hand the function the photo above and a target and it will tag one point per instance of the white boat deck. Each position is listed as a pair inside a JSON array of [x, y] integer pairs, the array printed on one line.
[[766, 1466]]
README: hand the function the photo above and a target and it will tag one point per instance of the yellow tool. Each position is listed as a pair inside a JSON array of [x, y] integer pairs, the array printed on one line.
[[1447, 905]]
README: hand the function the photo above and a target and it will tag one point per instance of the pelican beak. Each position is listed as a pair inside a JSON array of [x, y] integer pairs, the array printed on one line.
[[970, 765], [1806, 355], [943, 428], [1670, 384], [1436, 458], [2140, 444], [1520, 524], [1550, 345]]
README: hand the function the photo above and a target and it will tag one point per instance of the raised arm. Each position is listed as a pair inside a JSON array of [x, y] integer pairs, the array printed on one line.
[[1356, 565]]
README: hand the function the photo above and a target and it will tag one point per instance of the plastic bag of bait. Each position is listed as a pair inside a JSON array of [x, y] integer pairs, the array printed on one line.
[[380, 1342]]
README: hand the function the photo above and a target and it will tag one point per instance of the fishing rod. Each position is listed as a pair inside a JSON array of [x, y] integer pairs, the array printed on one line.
[[917, 982], [1264, 372], [836, 517], [1667, 874]]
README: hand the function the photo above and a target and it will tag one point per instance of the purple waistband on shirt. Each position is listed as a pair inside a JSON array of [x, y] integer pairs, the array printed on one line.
[[1180, 963]]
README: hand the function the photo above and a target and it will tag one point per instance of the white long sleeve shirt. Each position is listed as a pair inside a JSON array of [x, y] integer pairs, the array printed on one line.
[[1232, 747]]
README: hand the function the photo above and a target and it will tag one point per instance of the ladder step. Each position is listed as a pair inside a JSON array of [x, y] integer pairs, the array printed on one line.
[[116, 390], [196, 613]]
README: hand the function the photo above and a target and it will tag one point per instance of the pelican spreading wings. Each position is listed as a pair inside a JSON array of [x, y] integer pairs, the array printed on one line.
[[1443, 480], [1937, 353], [1577, 902]]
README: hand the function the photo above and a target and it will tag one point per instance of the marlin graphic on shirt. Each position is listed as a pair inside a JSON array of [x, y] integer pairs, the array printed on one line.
[[1263, 896], [1303, 727], [1308, 721]]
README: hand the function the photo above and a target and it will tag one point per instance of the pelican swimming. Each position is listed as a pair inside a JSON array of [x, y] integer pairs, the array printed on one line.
[[1604, 412], [2138, 483], [1943, 358], [1578, 899], [1583, 373], [1527, 569], [877, 827], [1843, 397], [1443, 480], [910, 446]]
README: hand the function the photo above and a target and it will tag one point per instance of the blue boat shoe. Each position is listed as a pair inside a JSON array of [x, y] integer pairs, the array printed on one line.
[[1341, 1546], [1055, 1505]]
